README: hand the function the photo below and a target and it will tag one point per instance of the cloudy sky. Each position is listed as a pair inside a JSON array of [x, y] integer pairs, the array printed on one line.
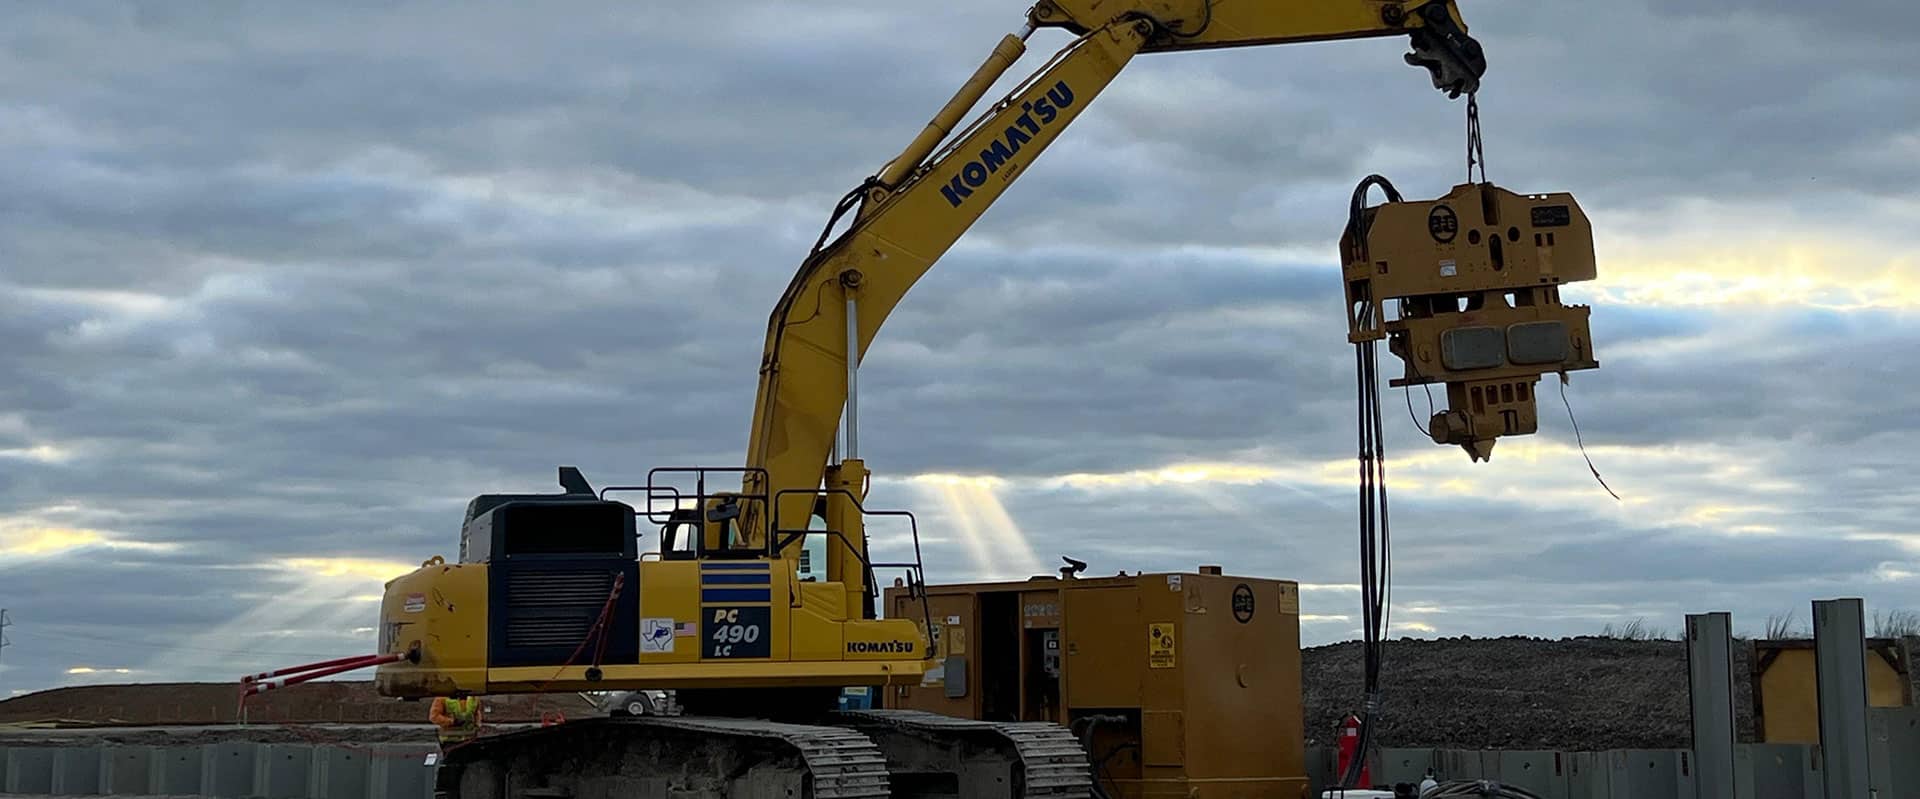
[[282, 286]]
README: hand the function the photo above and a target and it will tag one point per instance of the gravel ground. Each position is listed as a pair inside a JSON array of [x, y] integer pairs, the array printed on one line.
[[1579, 694]]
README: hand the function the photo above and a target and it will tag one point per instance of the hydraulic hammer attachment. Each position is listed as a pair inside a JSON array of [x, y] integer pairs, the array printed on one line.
[[1477, 277]]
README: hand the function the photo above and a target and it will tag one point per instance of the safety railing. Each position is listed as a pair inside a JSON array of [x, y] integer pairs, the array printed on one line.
[[783, 537], [660, 490]]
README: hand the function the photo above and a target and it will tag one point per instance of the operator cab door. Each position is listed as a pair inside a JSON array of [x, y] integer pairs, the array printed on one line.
[[683, 537]]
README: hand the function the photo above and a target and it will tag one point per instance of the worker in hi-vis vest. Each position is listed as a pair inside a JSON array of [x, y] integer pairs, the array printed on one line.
[[457, 718]]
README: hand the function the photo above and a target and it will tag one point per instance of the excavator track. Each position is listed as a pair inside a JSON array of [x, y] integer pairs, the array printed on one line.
[[658, 757], [930, 755]]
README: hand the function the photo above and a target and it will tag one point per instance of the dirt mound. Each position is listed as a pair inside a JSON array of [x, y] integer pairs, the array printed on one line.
[[1579, 694], [218, 703]]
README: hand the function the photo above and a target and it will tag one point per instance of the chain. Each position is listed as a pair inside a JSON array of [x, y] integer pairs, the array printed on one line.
[[1476, 151]]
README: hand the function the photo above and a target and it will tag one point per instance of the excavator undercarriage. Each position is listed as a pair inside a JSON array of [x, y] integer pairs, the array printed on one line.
[[842, 755]]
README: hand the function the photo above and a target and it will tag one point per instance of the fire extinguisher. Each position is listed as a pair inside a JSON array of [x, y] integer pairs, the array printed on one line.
[[1349, 748]]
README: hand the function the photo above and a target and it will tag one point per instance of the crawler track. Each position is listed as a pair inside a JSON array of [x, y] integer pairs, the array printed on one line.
[[662, 756], [1001, 760]]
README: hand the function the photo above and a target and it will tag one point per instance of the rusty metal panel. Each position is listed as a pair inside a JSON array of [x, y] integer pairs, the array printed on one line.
[[953, 616], [1163, 737], [1239, 670], [1106, 647]]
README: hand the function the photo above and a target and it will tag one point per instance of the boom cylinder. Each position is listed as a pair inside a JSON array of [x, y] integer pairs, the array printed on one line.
[[853, 377], [1009, 50]]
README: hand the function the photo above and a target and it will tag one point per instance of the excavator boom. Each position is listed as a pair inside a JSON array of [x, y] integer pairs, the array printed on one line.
[[919, 205]]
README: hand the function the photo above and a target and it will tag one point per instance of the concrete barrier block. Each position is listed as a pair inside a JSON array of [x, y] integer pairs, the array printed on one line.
[[1895, 742], [226, 769], [127, 770], [76, 771], [1588, 776], [1466, 764], [338, 773], [400, 771], [1318, 763], [280, 771], [30, 770], [1543, 773], [1392, 766], [175, 771], [1650, 773], [1775, 771]]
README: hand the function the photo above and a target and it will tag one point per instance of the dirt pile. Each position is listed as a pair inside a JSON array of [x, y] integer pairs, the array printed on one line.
[[218, 703], [1579, 694]]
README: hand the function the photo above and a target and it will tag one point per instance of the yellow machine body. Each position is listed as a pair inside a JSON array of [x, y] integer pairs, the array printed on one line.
[[1476, 275], [1194, 677], [440, 611]]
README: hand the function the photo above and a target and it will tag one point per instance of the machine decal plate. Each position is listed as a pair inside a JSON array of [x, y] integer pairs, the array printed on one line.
[[1442, 224], [415, 603], [736, 632], [1242, 603], [1551, 216], [656, 635], [1160, 645]]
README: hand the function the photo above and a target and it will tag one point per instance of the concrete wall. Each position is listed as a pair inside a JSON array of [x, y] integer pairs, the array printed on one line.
[[225, 770], [400, 771], [1765, 771]]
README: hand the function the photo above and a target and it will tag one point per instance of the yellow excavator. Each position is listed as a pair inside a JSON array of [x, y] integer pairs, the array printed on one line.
[[552, 593]]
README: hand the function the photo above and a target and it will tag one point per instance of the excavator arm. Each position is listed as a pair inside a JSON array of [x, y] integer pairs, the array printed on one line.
[[909, 214]]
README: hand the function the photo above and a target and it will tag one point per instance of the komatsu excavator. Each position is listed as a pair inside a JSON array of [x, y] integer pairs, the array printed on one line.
[[551, 593]]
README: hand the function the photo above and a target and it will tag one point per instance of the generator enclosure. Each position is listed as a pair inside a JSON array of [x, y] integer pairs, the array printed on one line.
[[1180, 684]]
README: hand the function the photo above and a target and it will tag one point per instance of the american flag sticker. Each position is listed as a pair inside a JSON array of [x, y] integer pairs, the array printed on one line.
[[686, 629]]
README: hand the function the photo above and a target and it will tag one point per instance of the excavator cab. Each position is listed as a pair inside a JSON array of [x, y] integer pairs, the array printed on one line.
[[552, 592]]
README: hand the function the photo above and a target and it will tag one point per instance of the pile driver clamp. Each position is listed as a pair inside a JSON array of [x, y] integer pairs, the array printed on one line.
[[1476, 275]]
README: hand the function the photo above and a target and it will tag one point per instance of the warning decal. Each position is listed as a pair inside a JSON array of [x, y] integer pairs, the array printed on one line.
[[1160, 645], [656, 635]]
